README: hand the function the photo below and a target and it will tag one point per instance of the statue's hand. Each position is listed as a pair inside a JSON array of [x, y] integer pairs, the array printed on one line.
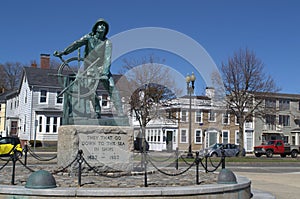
[[57, 54]]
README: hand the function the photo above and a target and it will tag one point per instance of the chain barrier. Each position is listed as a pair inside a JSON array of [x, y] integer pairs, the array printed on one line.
[[184, 160], [206, 167], [212, 164], [80, 159], [31, 170], [101, 173], [7, 161], [36, 156], [64, 168], [171, 174], [4, 159]]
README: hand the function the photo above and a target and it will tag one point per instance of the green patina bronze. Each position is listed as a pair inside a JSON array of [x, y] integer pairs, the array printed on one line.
[[80, 98]]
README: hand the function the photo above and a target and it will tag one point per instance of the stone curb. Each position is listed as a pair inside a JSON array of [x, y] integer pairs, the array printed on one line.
[[218, 189]]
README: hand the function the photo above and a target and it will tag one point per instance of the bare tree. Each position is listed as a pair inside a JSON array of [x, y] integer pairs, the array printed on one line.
[[12, 72], [246, 86], [54, 64], [2, 79], [151, 85]]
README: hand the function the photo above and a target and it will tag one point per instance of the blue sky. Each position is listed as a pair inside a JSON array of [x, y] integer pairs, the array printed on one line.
[[268, 27]]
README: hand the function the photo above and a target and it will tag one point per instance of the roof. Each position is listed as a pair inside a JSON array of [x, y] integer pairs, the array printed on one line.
[[201, 97], [41, 77], [5, 95], [278, 95], [48, 77], [2, 97]]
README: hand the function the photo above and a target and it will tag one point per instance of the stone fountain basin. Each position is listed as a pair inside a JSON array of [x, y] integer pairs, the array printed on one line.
[[241, 190]]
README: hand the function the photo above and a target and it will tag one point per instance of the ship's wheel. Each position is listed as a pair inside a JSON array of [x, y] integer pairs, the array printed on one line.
[[78, 77]]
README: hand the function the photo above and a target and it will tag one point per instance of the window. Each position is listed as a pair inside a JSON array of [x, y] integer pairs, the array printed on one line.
[[199, 116], [54, 124], [40, 124], [183, 115], [270, 103], [286, 139], [237, 120], [25, 96], [270, 122], [0, 106], [148, 135], [293, 140], [43, 96], [284, 105], [284, 120], [212, 116], [59, 100], [237, 138], [198, 136], [270, 119], [158, 136], [225, 137], [183, 136], [104, 100], [225, 118], [151, 137], [25, 120], [47, 124]]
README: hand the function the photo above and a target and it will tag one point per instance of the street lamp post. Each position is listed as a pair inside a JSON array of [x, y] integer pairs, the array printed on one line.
[[190, 91]]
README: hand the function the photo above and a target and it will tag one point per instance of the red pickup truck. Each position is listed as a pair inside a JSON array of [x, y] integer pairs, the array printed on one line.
[[276, 147]]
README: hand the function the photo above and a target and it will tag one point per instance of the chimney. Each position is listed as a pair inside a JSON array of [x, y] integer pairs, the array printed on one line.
[[45, 61], [33, 64], [210, 92]]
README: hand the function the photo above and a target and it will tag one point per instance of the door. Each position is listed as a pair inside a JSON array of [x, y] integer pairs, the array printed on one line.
[[211, 138], [13, 127], [169, 140], [249, 141], [279, 147]]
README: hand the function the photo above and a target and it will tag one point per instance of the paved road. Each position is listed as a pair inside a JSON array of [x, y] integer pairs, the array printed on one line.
[[282, 181]]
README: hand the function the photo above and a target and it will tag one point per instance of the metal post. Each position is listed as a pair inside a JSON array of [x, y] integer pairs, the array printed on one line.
[[14, 159], [206, 170], [25, 155], [190, 154], [177, 158], [197, 167], [145, 165], [190, 90], [223, 158], [79, 160]]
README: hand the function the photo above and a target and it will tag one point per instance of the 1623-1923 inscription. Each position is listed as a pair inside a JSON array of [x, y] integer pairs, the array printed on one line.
[[104, 148]]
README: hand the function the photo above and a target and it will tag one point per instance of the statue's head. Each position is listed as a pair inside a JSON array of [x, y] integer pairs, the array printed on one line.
[[99, 21]]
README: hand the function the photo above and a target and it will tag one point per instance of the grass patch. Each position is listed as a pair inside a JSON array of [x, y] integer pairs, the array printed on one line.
[[45, 149]]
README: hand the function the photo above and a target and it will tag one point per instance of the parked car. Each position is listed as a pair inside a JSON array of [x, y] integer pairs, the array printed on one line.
[[8, 145], [230, 150], [277, 147]]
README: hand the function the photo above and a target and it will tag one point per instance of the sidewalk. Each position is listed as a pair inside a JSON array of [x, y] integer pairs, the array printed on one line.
[[281, 185]]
